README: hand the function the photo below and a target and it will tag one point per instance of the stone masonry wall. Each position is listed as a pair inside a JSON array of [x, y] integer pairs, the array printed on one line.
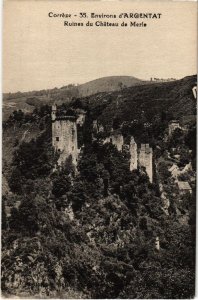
[[133, 153], [64, 139], [146, 159]]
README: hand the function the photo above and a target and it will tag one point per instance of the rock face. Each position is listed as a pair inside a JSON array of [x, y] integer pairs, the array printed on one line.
[[145, 159], [64, 137]]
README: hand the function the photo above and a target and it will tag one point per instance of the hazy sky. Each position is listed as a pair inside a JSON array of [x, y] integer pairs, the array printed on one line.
[[39, 52]]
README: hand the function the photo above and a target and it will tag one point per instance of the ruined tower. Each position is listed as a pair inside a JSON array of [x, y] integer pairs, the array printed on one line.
[[53, 112], [146, 159], [97, 127], [64, 136], [115, 139], [133, 153]]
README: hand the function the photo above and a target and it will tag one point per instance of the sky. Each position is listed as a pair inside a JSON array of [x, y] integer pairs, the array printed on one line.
[[41, 53]]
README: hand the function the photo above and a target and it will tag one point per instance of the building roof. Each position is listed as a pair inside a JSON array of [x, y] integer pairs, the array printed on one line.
[[184, 185], [65, 117], [187, 167], [174, 166], [173, 121]]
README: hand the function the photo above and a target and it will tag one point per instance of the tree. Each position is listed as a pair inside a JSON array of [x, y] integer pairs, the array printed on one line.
[[78, 195], [163, 171], [26, 217], [61, 184]]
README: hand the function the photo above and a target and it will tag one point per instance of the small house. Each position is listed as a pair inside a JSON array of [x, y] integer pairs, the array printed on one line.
[[184, 187]]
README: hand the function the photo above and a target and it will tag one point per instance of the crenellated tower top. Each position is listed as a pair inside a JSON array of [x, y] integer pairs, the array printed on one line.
[[53, 114]]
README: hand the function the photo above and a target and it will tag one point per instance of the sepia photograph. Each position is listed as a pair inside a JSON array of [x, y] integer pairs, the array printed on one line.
[[99, 149]]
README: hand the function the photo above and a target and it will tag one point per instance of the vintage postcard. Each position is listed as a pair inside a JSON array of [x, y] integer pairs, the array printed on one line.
[[99, 149]]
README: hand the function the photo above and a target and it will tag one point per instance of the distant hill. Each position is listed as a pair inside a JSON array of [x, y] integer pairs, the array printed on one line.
[[27, 101], [108, 84], [122, 96], [146, 103]]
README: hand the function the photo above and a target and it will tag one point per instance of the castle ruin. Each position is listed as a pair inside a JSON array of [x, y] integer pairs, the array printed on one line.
[[81, 117], [64, 136], [97, 127], [64, 141], [142, 158], [133, 153], [115, 139], [146, 159]]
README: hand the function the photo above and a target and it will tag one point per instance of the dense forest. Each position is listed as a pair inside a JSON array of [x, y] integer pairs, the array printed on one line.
[[92, 233]]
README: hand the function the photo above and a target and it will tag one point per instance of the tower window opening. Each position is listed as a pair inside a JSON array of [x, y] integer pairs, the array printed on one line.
[[73, 134], [57, 138]]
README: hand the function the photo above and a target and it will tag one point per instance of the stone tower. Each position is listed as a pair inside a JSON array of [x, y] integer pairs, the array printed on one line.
[[53, 112], [146, 159], [64, 136], [97, 127], [133, 153]]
